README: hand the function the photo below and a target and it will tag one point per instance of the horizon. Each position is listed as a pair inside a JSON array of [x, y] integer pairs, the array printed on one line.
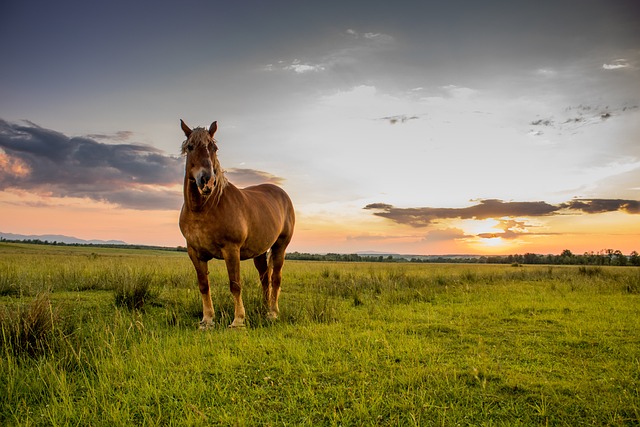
[[56, 239], [413, 128]]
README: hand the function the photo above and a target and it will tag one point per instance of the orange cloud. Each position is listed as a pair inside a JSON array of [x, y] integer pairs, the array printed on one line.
[[13, 166]]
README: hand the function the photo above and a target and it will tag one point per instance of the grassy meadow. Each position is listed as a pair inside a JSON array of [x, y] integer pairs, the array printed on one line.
[[103, 337]]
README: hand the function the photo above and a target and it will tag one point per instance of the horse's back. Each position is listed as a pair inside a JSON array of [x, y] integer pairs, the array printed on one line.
[[269, 194], [271, 200]]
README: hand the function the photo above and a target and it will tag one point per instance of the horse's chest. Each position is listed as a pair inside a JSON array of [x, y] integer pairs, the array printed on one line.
[[206, 248], [206, 240]]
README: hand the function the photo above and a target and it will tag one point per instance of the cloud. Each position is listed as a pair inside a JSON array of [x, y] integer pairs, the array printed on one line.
[[511, 229], [13, 166], [146, 198], [134, 176], [493, 208], [595, 206], [44, 161], [380, 38], [348, 52], [459, 92], [246, 177], [383, 206], [616, 65], [402, 118], [445, 235], [576, 117], [300, 68], [123, 135], [506, 234], [296, 66], [546, 72]]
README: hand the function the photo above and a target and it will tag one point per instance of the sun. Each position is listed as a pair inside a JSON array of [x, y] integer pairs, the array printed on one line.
[[486, 235], [480, 226], [493, 242], [493, 245]]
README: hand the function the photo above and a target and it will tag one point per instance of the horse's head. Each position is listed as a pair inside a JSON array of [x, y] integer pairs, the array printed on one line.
[[202, 166]]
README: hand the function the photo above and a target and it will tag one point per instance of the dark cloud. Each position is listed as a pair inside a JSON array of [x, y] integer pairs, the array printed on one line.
[[402, 118], [123, 135], [594, 206], [492, 208], [576, 117], [135, 176], [379, 206], [511, 229], [43, 160]]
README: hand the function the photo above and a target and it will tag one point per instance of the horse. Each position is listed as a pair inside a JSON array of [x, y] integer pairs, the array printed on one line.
[[219, 220]]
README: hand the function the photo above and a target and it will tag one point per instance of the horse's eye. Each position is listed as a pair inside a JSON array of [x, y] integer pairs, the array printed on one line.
[[190, 147]]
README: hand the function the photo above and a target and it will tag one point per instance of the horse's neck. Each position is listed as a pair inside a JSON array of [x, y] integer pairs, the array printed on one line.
[[192, 197]]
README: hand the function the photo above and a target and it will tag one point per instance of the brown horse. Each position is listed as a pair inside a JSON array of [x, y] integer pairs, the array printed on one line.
[[219, 220]]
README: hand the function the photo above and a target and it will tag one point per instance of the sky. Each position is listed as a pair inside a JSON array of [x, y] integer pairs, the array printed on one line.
[[413, 127]]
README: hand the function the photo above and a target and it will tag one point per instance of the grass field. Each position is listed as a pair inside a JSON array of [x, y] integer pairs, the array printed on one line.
[[97, 337]]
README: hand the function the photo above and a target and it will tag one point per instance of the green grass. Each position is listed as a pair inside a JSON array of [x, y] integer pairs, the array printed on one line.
[[356, 344]]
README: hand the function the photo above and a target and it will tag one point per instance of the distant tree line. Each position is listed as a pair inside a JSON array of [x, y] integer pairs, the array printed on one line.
[[603, 257], [343, 257], [91, 245]]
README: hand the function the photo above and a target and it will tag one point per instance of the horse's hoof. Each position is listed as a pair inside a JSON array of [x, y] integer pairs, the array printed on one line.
[[240, 326], [272, 315], [205, 324]]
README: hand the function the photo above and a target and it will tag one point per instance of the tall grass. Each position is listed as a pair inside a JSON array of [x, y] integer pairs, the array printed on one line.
[[133, 290], [356, 344], [29, 329]]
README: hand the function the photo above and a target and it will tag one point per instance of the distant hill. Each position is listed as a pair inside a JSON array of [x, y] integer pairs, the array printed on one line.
[[59, 238]]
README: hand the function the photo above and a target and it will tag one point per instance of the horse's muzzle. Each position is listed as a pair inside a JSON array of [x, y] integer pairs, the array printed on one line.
[[203, 180]]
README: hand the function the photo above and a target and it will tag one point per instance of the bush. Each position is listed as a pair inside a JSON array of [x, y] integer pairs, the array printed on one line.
[[29, 330], [134, 291], [9, 281], [633, 283]]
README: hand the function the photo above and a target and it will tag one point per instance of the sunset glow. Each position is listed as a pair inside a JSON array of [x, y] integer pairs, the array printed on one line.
[[491, 129]]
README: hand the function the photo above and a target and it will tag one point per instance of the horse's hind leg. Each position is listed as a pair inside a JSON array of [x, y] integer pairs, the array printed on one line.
[[276, 261], [265, 276]]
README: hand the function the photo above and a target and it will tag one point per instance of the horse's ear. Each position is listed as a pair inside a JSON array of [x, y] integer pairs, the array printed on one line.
[[185, 128], [213, 128]]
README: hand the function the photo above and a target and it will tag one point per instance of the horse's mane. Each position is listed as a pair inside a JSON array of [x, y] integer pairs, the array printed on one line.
[[200, 136]]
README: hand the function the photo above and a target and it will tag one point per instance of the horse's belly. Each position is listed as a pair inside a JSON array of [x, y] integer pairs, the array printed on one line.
[[248, 253], [207, 248]]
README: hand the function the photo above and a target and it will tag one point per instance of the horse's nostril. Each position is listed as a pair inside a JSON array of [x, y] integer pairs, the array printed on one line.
[[204, 178]]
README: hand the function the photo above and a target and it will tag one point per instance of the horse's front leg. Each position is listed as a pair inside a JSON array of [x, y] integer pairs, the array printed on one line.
[[232, 260], [202, 272]]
